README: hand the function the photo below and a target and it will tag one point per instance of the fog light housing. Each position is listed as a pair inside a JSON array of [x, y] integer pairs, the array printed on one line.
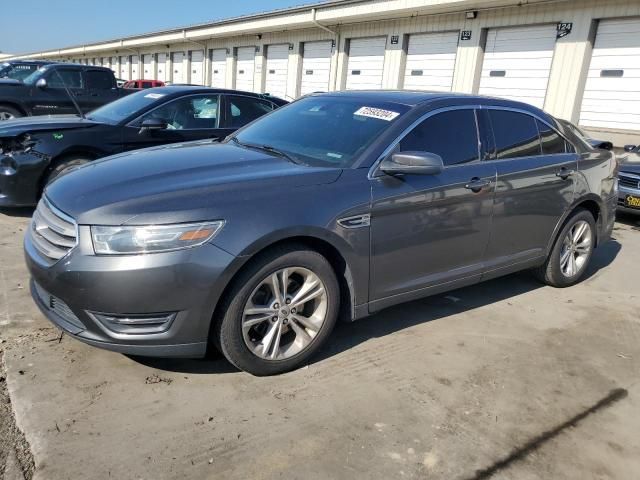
[[134, 324], [8, 165]]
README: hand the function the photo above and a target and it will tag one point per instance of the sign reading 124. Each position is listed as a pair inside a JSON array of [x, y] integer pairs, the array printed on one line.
[[564, 29]]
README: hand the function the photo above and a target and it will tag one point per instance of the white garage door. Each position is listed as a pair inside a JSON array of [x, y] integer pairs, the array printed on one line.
[[162, 67], [366, 63], [431, 59], [517, 62], [135, 67], [612, 93], [218, 68], [114, 66], [197, 67], [124, 68], [178, 68], [245, 67], [316, 67], [147, 67], [277, 67]]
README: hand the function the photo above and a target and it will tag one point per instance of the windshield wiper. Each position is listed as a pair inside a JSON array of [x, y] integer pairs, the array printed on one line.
[[267, 148]]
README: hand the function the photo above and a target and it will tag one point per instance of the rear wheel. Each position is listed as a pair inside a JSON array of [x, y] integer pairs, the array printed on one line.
[[9, 113], [571, 252], [65, 166], [280, 313]]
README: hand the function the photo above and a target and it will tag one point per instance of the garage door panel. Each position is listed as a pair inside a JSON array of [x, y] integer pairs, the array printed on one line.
[[517, 63], [178, 68], [218, 68], [366, 63], [611, 97], [162, 67], [316, 67], [277, 70], [245, 68]]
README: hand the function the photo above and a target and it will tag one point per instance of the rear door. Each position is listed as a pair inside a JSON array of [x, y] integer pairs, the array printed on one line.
[[193, 117], [432, 230], [100, 89], [535, 186]]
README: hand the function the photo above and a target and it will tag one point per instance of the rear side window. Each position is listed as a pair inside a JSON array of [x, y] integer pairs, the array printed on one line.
[[452, 135], [98, 80], [146, 85], [246, 109], [552, 142], [516, 134]]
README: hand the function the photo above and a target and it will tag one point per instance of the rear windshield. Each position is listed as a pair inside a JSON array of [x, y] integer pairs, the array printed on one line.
[[323, 130], [123, 108]]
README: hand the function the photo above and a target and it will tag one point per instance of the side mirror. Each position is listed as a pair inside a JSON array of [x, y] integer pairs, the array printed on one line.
[[153, 124], [630, 148], [604, 145], [42, 83], [417, 163]]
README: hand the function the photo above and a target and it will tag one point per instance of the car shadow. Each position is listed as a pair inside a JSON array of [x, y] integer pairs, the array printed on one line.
[[629, 219], [18, 212], [348, 335]]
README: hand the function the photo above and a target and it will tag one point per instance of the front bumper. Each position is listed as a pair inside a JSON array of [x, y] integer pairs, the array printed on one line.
[[187, 282], [21, 178]]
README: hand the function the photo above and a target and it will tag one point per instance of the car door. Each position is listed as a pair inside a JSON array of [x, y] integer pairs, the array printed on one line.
[[99, 87], [432, 230], [53, 99], [192, 117], [535, 185]]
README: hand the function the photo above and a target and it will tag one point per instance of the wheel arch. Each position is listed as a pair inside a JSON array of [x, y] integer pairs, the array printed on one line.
[[65, 155], [16, 106], [590, 202]]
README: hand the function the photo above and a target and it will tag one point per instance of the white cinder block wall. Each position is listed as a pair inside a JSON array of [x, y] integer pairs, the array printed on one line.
[[495, 57]]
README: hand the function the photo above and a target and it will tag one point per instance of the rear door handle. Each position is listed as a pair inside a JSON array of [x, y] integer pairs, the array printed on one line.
[[477, 184], [564, 173]]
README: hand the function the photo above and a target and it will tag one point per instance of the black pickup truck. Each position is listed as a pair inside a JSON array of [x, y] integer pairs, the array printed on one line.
[[43, 92]]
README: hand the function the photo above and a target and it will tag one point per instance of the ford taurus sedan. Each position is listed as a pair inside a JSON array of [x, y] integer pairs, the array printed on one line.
[[338, 204]]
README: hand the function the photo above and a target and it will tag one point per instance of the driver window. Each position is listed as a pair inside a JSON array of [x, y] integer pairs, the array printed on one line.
[[189, 113], [453, 135], [60, 77]]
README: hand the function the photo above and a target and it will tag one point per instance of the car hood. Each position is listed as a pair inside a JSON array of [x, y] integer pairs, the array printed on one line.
[[11, 128], [177, 183], [630, 162]]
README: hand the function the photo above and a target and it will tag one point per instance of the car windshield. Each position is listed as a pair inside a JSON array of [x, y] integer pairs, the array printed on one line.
[[119, 110], [322, 130], [15, 72]]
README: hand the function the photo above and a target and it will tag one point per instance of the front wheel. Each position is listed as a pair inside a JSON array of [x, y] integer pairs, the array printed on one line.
[[571, 252], [9, 113], [63, 167], [280, 313]]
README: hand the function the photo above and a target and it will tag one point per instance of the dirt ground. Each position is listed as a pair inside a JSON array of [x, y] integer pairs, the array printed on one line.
[[507, 379]]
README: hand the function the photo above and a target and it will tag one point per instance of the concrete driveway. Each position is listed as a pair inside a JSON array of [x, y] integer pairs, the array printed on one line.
[[506, 379]]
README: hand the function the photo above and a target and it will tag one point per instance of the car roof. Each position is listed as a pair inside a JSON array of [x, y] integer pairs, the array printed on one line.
[[29, 62], [413, 98], [179, 89]]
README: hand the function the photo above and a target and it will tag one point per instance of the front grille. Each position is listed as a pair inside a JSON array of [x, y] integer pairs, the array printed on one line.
[[57, 306], [53, 232], [629, 180]]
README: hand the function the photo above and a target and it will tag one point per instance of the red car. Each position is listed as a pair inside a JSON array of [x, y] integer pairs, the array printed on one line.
[[143, 84]]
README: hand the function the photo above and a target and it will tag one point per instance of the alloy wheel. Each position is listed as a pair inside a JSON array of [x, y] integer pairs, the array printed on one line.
[[5, 115], [576, 249], [284, 313]]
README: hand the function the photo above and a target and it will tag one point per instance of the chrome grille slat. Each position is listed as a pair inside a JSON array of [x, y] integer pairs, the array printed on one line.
[[629, 180], [53, 233]]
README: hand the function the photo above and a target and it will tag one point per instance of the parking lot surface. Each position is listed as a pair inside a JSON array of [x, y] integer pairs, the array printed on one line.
[[506, 379]]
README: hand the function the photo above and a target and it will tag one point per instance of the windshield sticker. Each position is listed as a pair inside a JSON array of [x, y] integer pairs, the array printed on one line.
[[334, 155], [378, 113], [155, 96], [58, 136]]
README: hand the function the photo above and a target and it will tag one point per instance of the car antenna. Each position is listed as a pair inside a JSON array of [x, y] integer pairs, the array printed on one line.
[[66, 89]]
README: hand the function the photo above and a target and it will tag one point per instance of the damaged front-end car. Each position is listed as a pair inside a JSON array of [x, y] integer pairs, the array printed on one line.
[[21, 168]]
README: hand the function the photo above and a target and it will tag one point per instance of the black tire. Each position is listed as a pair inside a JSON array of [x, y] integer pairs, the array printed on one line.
[[63, 167], [227, 333], [551, 272], [7, 113]]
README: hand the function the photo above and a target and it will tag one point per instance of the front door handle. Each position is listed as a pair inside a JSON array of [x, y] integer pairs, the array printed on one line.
[[564, 173], [477, 184]]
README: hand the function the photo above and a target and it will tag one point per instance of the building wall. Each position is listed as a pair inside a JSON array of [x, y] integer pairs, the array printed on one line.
[[399, 18]]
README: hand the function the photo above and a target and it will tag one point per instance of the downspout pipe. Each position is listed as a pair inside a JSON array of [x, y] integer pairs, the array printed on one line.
[[335, 34]]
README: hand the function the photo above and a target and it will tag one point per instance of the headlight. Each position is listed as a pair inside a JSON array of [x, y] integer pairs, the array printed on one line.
[[152, 238]]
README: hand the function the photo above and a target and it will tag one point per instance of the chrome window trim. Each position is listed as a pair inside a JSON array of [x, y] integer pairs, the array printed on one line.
[[372, 170], [531, 114], [219, 95]]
